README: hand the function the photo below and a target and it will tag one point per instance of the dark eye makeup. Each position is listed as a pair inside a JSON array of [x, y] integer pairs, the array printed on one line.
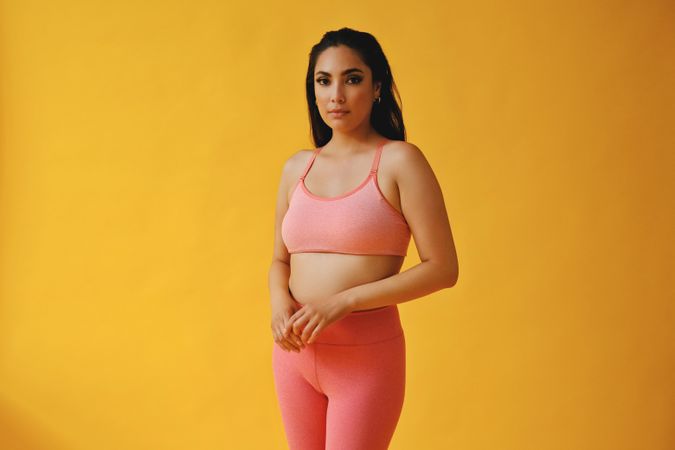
[[358, 80]]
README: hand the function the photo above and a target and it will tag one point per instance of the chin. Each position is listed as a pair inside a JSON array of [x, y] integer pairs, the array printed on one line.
[[341, 126]]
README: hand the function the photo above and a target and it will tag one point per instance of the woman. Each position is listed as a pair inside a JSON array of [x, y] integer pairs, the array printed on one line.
[[340, 241]]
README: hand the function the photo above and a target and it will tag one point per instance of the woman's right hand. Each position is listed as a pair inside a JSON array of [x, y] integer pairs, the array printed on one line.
[[286, 339]]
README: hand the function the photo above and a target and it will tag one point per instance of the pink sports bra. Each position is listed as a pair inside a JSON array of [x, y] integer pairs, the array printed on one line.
[[360, 222]]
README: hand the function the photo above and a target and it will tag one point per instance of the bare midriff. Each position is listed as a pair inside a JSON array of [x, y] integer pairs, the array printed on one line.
[[315, 276]]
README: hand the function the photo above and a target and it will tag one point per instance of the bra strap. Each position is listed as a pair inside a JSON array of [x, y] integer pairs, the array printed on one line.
[[376, 160], [311, 161]]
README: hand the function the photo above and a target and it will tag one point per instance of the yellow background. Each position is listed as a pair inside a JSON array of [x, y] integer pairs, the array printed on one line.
[[142, 143]]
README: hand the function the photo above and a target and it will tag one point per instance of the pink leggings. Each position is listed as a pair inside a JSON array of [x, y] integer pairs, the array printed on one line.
[[345, 390]]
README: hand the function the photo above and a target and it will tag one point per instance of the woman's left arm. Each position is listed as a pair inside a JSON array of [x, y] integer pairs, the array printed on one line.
[[423, 206]]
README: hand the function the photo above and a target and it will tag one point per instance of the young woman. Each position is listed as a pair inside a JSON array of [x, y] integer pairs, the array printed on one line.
[[342, 231]]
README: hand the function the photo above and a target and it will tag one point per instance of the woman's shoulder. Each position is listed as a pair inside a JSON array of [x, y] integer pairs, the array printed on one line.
[[403, 154], [401, 149], [299, 157], [296, 162]]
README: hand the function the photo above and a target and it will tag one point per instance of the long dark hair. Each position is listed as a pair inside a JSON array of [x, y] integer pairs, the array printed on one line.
[[385, 117]]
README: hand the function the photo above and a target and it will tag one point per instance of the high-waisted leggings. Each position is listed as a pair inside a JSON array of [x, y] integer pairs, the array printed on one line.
[[345, 390]]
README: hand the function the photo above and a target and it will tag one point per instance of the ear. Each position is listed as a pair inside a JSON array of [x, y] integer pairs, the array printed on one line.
[[378, 85]]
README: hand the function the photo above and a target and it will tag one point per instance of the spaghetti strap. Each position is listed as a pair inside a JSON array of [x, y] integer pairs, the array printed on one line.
[[373, 167], [376, 159], [311, 161], [317, 224]]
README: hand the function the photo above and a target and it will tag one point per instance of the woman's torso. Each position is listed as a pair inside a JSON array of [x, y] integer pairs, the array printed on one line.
[[316, 275]]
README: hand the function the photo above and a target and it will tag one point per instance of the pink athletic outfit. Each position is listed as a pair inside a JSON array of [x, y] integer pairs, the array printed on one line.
[[345, 390]]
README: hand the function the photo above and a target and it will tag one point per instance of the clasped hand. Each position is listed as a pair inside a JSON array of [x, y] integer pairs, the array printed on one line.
[[311, 319]]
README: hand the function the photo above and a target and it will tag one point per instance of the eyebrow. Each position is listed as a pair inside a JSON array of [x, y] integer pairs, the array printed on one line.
[[344, 72]]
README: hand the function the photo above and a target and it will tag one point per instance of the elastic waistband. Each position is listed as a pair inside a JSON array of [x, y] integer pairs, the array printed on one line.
[[362, 327]]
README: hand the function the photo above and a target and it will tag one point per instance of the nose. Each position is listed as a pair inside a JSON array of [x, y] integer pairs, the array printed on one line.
[[337, 96]]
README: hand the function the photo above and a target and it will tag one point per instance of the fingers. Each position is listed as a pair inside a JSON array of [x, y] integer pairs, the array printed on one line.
[[298, 330], [292, 337], [287, 344], [315, 333], [305, 325], [298, 323], [291, 345], [311, 330], [290, 333], [291, 320]]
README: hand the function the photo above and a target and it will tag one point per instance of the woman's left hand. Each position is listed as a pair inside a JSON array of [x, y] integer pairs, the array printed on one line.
[[315, 317]]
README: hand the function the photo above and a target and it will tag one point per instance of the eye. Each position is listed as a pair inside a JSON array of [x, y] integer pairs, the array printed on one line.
[[356, 80]]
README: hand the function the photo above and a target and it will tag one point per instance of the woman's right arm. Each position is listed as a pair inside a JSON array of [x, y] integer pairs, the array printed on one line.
[[281, 300], [280, 271]]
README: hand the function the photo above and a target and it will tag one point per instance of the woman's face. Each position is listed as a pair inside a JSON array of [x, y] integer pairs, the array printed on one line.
[[343, 81]]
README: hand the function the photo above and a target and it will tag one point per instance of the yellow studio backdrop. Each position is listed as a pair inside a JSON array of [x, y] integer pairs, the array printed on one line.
[[142, 145]]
